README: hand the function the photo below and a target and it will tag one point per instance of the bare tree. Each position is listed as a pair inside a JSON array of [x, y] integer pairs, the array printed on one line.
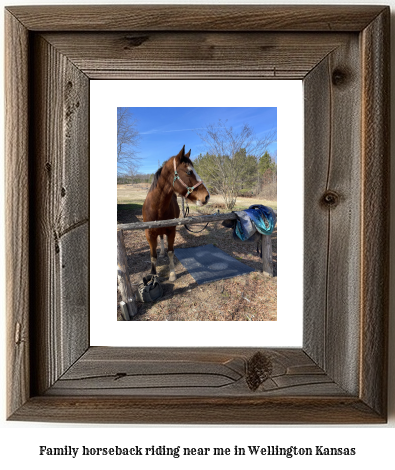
[[129, 175], [128, 139], [231, 158]]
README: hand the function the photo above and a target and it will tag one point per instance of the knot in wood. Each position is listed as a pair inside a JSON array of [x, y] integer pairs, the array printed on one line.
[[135, 41], [259, 369], [340, 77], [18, 335], [330, 199]]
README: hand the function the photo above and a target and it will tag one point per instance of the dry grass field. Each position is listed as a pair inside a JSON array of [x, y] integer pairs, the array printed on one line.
[[136, 194], [251, 297]]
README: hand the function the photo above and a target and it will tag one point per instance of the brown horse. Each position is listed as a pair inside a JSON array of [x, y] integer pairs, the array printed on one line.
[[176, 177]]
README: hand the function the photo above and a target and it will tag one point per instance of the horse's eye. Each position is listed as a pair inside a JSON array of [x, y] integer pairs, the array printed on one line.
[[189, 172]]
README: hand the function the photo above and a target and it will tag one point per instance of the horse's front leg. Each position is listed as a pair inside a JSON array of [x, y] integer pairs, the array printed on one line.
[[162, 247], [170, 247], [153, 241]]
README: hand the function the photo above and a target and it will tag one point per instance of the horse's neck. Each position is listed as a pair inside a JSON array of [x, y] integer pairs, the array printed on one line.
[[163, 193]]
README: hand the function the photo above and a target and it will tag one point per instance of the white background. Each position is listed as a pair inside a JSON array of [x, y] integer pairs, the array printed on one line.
[[19, 441], [287, 96]]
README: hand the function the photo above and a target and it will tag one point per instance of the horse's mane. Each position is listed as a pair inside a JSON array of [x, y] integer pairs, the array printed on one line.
[[155, 180], [159, 172]]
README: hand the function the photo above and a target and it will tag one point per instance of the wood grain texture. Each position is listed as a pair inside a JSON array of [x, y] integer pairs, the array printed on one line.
[[125, 288], [17, 191], [339, 376], [317, 149], [196, 17], [201, 410], [60, 201], [375, 211], [194, 372], [267, 254], [186, 55], [332, 214], [196, 385], [184, 221], [74, 294]]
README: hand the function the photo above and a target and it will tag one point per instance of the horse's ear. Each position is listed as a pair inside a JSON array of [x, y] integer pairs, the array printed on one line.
[[180, 155], [187, 155], [181, 152]]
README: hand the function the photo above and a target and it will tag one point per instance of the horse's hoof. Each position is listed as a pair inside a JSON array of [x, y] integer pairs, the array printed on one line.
[[172, 277]]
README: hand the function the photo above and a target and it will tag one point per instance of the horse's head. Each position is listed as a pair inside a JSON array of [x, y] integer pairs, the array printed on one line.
[[187, 182]]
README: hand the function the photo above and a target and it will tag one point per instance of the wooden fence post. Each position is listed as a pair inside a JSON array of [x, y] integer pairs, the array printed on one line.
[[267, 255], [124, 281]]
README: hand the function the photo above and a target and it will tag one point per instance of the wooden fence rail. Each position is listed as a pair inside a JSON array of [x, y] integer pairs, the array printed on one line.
[[128, 304], [171, 222]]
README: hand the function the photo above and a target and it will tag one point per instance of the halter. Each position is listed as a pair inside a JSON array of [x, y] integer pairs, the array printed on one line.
[[177, 177]]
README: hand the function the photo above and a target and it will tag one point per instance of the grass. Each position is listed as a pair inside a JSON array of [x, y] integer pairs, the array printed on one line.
[[127, 207], [133, 198], [241, 207], [238, 207]]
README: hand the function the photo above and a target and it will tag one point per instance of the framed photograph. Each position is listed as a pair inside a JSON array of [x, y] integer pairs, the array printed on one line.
[[205, 271], [167, 115], [54, 372]]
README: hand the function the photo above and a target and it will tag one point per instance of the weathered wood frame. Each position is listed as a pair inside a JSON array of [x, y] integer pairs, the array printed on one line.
[[340, 374]]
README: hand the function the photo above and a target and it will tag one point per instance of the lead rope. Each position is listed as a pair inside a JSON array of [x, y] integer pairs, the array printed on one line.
[[185, 214]]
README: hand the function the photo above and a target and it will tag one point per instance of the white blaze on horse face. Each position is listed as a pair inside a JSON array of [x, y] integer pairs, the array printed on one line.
[[192, 169]]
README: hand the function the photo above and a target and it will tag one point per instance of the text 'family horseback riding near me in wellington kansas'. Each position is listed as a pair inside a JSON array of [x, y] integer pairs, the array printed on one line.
[[178, 451]]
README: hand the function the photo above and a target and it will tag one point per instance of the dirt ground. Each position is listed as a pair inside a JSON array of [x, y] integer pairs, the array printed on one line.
[[251, 297]]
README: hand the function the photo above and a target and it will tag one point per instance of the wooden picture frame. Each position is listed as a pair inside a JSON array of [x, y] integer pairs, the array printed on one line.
[[340, 374]]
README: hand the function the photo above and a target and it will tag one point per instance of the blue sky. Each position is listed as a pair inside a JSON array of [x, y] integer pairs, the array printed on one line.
[[164, 131]]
